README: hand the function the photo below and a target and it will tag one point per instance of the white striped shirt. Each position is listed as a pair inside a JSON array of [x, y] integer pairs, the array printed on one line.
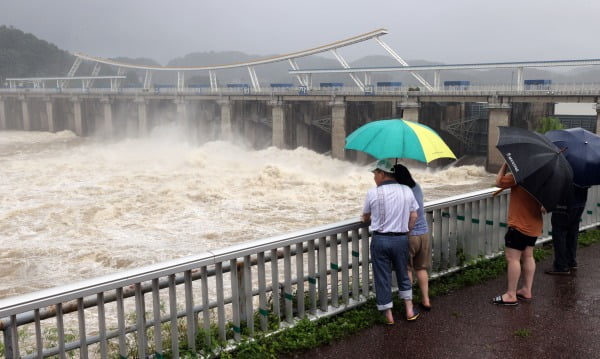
[[390, 205]]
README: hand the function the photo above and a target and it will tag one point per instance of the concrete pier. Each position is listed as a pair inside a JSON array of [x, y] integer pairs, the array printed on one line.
[[225, 119], [498, 116], [142, 116], [338, 128], [3, 124], [108, 126], [278, 113], [25, 113], [50, 114], [410, 111], [597, 118], [319, 122], [182, 114], [77, 118]]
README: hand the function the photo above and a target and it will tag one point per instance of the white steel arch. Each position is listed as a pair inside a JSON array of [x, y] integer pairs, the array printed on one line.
[[267, 60], [291, 57]]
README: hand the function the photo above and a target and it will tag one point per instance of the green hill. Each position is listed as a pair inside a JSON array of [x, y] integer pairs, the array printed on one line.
[[24, 55]]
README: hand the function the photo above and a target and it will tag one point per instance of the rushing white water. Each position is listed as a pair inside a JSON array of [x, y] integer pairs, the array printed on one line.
[[73, 208]]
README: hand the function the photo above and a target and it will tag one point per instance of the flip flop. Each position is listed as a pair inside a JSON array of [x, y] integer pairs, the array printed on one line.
[[426, 308], [414, 317], [523, 298], [499, 301]]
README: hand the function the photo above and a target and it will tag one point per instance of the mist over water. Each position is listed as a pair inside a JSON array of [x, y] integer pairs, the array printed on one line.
[[73, 208]]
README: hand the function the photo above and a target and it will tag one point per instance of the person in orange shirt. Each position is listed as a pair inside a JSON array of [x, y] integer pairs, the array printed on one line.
[[524, 226]]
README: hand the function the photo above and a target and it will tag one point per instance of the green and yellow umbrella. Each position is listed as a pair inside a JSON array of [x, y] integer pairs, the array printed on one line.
[[398, 138]]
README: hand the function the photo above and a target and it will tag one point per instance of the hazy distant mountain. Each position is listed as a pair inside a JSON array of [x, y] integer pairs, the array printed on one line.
[[137, 61]]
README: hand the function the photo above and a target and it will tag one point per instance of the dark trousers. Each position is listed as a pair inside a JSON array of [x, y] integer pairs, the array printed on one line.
[[565, 232]]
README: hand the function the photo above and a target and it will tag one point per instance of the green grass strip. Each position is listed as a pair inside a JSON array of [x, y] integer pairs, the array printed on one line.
[[308, 334]]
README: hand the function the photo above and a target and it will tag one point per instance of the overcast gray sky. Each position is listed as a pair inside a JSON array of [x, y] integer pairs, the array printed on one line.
[[456, 31]]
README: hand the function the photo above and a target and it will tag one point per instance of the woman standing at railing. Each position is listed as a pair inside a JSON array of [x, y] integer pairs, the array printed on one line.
[[419, 247], [524, 226], [392, 210]]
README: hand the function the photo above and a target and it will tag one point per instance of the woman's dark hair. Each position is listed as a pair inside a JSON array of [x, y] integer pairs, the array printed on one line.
[[403, 176]]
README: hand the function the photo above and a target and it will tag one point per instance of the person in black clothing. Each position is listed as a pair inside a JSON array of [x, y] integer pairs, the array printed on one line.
[[565, 232]]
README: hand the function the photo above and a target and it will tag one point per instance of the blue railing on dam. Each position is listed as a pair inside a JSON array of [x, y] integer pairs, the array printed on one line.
[[245, 288], [554, 89]]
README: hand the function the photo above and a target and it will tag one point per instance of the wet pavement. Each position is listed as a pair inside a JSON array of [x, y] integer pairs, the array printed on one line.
[[561, 321]]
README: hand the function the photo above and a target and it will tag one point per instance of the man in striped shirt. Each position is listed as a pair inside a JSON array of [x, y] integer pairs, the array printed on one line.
[[392, 210]]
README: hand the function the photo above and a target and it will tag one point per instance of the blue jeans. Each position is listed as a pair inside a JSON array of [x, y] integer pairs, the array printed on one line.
[[389, 252], [565, 233]]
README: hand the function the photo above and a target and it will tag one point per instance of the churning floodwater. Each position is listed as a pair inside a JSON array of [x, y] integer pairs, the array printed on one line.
[[73, 208]]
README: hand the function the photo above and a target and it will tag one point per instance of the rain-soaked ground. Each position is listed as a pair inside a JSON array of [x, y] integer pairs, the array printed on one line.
[[562, 321]]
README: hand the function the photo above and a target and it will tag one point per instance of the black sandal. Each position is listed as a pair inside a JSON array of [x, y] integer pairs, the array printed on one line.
[[499, 301]]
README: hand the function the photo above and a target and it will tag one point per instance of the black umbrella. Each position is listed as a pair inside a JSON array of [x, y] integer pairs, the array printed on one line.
[[537, 164], [582, 149]]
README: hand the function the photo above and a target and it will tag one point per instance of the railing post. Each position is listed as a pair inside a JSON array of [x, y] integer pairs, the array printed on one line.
[[12, 342], [287, 292], [335, 267], [241, 284], [345, 269], [173, 317], [247, 293], [312, 277], [8, 349], [235, 300], [364, 243], [300, 280], [355, 266], [322, 264], [275, 292]]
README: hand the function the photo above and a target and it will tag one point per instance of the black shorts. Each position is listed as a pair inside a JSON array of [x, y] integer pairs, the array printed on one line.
[[517, 240]]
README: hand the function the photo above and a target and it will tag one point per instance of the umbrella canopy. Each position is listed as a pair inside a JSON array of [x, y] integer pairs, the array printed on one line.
[[537, 164], [399, 138], [582, 150]]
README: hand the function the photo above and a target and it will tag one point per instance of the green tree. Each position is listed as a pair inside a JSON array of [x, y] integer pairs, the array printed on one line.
[[548, 124], [24, 55]]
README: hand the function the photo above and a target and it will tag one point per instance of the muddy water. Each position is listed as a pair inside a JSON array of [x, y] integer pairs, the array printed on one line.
[[73, 208]]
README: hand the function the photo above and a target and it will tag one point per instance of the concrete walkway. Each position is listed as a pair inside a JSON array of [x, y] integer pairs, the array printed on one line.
[[561, 321]]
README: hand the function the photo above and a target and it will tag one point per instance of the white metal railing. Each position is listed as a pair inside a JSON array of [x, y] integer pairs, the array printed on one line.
[[312, 273], [556, 89]]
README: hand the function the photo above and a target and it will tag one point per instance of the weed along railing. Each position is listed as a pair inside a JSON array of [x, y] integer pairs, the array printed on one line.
[[213, 300]]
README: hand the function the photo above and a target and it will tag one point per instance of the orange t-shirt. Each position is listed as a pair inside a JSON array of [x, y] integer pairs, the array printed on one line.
[[524, 211]]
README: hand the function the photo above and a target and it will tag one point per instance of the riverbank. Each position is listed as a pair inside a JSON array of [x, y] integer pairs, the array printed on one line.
[[562, 318]]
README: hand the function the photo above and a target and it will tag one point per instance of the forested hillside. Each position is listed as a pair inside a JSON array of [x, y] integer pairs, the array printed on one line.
[[24, 55]]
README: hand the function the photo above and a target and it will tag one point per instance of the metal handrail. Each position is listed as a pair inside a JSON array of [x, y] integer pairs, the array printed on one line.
[[315, 272], [555, 89]]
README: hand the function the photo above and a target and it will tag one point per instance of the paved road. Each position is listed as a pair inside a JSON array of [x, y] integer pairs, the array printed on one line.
[[562, 321]]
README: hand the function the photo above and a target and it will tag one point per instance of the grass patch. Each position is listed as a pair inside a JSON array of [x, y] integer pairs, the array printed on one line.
[[306, 334], [587, 238], [522, 333]]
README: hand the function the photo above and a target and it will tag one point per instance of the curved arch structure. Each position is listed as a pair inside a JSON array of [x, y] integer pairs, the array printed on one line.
[[315, 50], [304, 79]]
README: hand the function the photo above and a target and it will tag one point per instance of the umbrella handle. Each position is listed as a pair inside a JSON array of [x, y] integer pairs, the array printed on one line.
[[498, 192]]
